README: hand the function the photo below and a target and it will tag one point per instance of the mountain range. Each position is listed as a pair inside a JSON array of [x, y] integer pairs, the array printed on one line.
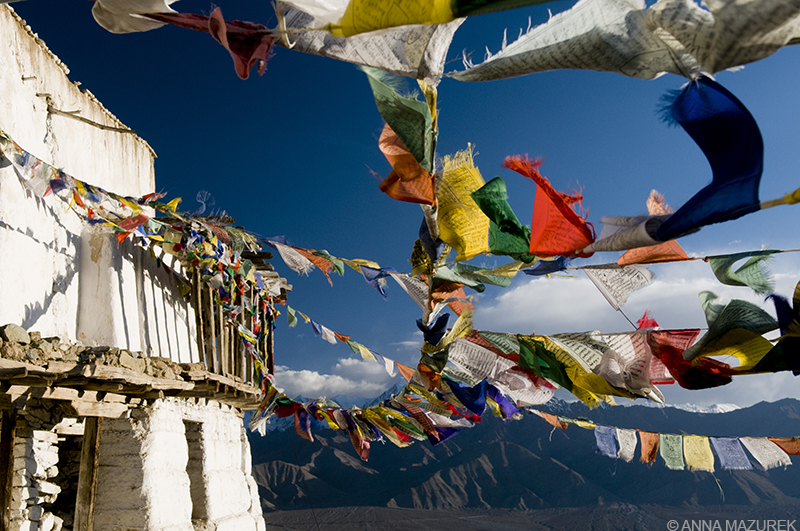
[[523, 471]]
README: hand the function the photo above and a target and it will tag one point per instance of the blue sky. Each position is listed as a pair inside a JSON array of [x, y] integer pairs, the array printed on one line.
[[293, 153]]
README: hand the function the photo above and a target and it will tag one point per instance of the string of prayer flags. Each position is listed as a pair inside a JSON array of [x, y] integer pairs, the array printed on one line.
[[750, 274], [362, 16], [410, 119], [247, 42], [683, 452], [729, 137], [603, 35], [120, 16], [616, 283], [507, 236], [408, 181], [462, 224], [414, 51], [556, 228]]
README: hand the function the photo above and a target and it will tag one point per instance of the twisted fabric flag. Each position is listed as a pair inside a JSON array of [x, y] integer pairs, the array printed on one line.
[[361, 16], [751, 273], [121, 16], [556, 228], [409, 118], [408, 181], [728, 136], [723, 318], [247, 42], [415, 51]]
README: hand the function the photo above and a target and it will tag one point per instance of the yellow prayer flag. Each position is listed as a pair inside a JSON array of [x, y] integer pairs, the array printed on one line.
[[365, 353], [362, 16], [462, 224], [697, 453], [746, 346]]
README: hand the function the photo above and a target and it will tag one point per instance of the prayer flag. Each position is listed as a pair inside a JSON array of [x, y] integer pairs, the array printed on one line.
[[728, 136], [767, 453], [671, 450], [604, 35], [119, 16], [731, 454], [408, 181], [556, 228], [627, 444], [604, 435], [247, 42], [361, 16], [650, 442], [722, 318], [409, 118], [546, 267], [751, 273], [415, 51], [723, 34], [616, 283], [462, 225], [507, 236], [697, 452]]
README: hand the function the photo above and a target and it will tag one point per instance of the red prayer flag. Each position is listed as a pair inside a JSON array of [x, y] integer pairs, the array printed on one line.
[[247, 42], [556, 228]]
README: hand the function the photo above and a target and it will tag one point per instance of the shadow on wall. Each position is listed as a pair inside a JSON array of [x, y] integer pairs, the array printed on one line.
[[64, 279]]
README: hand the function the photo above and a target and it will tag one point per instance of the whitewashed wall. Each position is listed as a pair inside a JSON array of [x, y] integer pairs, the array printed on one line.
[[175, 462], [57, 275]]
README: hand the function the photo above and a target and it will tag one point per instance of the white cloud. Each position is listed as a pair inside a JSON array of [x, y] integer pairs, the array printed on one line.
[[350, 376], [415, 343]]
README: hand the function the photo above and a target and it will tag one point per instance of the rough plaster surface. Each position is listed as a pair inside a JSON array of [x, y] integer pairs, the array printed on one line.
[[78, 284], [172, 462]]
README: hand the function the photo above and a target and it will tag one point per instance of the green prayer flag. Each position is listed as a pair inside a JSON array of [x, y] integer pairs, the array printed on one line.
[[338, 265], [444, 274], [409, 118], [670, 446], [723, 318], [480, 274], [535, 357], [507, 236], [291, 316], [750, 274]]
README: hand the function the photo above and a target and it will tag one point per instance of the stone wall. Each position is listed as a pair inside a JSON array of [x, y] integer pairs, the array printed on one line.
[[35, 465]]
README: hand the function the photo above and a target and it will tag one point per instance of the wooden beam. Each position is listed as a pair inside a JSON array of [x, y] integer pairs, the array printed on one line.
[[8, 428], [197, 299], [87, 476]]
